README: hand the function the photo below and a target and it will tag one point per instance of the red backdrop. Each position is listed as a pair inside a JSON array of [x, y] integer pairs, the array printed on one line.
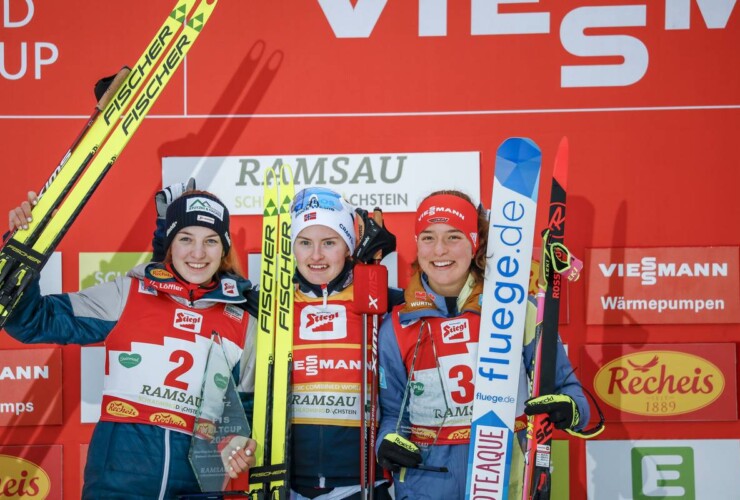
[[652, 161]]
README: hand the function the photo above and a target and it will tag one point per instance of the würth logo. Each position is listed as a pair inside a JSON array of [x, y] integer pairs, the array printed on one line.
[[188, 321]]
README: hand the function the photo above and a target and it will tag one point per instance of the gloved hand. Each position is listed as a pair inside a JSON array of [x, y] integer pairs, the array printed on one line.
[[561, 409], [169, 194], [374, 237], [162, 200], [396, 451]]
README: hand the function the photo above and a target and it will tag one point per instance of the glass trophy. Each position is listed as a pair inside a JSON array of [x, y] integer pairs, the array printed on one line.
[[220, 423]]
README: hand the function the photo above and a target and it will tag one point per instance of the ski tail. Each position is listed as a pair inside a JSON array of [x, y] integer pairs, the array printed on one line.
[[499, 358], [271, 422], [95, 150], [107, 96]]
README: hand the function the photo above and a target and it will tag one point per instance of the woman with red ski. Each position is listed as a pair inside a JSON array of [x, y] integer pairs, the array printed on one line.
[[428, 349]]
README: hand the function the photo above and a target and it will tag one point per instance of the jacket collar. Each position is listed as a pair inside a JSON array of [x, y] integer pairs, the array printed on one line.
[[422, 301], [227, 288]]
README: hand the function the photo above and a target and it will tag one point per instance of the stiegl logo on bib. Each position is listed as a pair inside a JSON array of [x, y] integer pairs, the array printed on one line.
[[188, 321], [319, 323]]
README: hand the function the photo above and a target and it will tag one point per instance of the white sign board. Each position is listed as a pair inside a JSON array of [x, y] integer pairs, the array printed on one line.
[[395, 182]]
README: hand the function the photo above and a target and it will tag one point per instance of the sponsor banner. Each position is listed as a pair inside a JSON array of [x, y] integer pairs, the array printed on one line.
[[30, 387], [92, 373], [31, 471], [665, 469], [396, 182], [101, 267], [663, 382], [50, 278], [379, 44], [663, 285]]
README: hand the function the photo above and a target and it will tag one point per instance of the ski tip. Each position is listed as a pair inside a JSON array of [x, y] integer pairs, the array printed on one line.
[[518, 161], [560, 171], [517, 148]]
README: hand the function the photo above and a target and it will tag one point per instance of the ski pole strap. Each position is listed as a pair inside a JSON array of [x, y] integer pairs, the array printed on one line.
[[596, 429]]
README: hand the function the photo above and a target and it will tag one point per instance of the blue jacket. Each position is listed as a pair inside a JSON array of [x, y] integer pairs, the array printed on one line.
[[138, 460], [413, 483]]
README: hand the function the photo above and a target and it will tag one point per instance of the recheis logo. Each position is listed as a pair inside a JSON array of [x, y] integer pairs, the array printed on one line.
[[167, 419], [188, 321], [455, 331], [659, 383], [22, 478], [318, 323]]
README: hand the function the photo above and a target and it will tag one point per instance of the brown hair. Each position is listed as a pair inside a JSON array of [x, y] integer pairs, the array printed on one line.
[[478, 264]]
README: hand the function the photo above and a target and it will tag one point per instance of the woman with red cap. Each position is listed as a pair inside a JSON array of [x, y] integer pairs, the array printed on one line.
[[428, 346]]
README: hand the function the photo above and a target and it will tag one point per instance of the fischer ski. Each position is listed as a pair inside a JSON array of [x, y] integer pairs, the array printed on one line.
[[499, 359], [555, 262], [112, 124], [270, 478]]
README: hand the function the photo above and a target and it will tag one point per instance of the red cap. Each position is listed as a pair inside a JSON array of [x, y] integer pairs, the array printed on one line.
[[448, 209]]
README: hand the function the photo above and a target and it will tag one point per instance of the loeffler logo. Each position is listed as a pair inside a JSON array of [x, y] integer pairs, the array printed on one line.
[[188, 321], [21, 478], [455, 331], [319, 323], [659, 383]]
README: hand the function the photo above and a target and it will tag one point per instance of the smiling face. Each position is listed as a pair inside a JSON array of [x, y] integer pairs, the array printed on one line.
[[444, 254], [320, 254], [196, 254]]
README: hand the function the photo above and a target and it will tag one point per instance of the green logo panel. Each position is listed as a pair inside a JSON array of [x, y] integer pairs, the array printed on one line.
[[101, 267], [663, 473]]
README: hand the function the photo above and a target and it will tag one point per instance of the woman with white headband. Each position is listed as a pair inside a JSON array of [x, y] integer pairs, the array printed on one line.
[[327, 348]]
